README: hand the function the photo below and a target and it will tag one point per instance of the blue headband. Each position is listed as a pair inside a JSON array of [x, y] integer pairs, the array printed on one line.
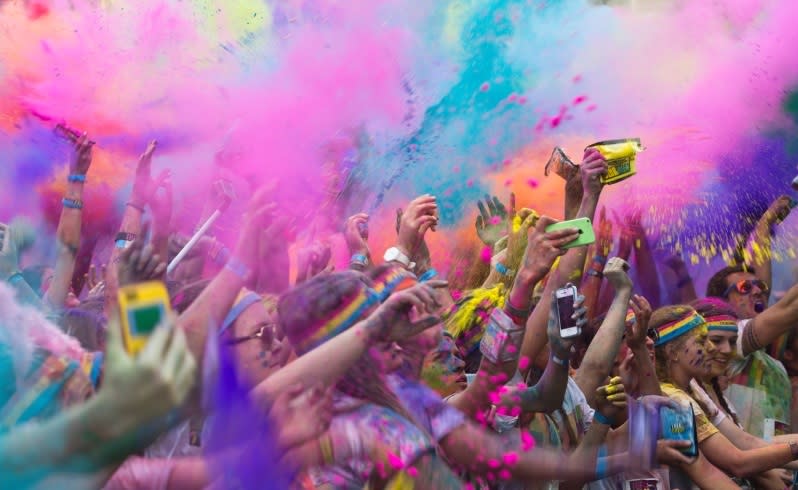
[[248, 300]]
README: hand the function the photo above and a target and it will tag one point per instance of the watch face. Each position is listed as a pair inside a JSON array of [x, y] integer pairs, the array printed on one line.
[[393, 254]]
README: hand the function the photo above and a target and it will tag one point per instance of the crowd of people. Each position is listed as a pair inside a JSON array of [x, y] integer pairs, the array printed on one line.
[[387, 374]]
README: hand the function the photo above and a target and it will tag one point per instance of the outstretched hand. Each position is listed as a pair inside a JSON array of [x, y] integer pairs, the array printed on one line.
[[139, 262], [492, 220], [407, 313], [81, 158], [149, 389], [412, 224]]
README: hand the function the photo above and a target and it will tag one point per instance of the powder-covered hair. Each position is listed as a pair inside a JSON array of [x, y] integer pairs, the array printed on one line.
[[23, 330], [709, 307]]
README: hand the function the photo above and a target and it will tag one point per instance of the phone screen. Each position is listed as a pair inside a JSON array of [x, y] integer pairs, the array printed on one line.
[[565, 309], [143, 320]]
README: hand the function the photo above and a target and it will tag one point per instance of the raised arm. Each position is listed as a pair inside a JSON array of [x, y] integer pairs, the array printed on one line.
[[125, 416], [131, 219], [759, 252], [571, 264], [541, 252], [327, 363], [68, 233], [772, 323], [598, 360]]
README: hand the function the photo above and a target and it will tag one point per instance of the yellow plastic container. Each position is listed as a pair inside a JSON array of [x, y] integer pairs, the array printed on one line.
[[620, 156]]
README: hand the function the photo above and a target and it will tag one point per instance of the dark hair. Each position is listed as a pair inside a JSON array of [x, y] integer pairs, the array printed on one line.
[[86, 323], [717, 283], [708, 307]]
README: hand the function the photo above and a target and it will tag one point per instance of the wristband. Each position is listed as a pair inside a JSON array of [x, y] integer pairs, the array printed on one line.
[[502, 269], [72, 203], [684, 282], [238, 268], [430, 274], [76, 178], [502, 339], [135, 206], [516, 312], [601, 463], [15, 277], [560, 362], [599, 259], [126, 236], [359, 259], [595, 273], [601, 418]]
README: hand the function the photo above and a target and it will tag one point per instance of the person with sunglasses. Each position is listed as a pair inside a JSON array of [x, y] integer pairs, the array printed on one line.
[[758, 384]]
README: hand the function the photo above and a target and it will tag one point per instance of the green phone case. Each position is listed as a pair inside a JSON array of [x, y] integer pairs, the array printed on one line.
[[585, 227]]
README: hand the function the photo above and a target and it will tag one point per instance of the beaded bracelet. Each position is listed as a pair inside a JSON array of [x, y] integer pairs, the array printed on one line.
[[76, 178], [359, 259], [600, 259], [72, 203]]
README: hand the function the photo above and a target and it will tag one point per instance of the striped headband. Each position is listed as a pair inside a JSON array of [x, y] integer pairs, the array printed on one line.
[[672, 330], [393, 280], [349, 314], [726, 323]]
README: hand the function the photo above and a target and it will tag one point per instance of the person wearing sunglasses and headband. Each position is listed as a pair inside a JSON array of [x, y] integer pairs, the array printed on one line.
[[758, 384]]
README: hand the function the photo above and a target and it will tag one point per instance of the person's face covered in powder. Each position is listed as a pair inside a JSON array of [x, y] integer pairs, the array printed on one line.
[[747, 294]]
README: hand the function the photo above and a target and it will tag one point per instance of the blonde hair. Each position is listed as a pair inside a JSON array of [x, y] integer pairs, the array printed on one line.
[[660, 317]]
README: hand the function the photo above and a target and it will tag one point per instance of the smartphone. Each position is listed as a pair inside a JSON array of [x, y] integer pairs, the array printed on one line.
[[679, 424], [142, 308], [585, 227], [560, 164], [566, 296]]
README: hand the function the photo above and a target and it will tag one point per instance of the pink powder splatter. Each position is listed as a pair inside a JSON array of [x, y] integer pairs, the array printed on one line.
[[523, 363], [522, 100], [395, 461], [511, 458], [508, 182], [486, 254], [527, 441], [532, 183], [505, 475], [412, 472], [512, 97], [591, 108], [579, 99], [484, 87]]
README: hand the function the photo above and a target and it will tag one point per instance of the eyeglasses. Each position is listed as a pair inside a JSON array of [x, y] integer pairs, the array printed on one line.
[[746, 286], [265, 333]]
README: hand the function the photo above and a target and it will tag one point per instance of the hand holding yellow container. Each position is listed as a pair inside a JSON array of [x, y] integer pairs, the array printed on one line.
[[620, 156]]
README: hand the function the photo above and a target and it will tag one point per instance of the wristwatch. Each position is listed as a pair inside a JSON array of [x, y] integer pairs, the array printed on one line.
[[393, 254]]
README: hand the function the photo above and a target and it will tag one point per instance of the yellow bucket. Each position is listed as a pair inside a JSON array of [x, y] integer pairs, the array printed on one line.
[[620, 156]]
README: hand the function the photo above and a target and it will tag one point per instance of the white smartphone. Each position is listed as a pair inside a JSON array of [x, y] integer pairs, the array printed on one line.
[[566, 296]]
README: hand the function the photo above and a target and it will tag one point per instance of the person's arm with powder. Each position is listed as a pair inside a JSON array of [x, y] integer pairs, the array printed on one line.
[[542, 250], [131, 219], [598, 360], [68, 233], [327, 363], [570, 266]]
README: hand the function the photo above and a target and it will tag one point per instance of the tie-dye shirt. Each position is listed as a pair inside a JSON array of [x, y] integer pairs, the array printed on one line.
[[368, 429], [760, 389]]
